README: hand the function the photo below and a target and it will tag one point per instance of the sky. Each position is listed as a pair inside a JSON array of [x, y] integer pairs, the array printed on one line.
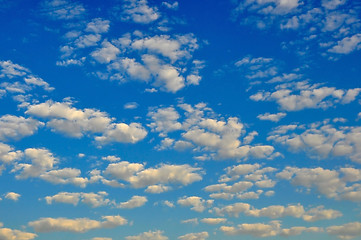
[[189, 120]]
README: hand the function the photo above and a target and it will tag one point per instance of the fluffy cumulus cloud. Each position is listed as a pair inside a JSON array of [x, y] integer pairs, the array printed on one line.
[[253, 229], [299, 95], [139, 177], [15, 128], [73, 122], [13, 234], [213, 221], [320, 140], [156, 235], [8, 154], [217, 137], [339, 184], [252, 176], [12, 196], [195, 236], [77, 225], [347, 231], [164, 61], [139, 12], [134, 202], [196, 203], [92, 199], [274, 117]]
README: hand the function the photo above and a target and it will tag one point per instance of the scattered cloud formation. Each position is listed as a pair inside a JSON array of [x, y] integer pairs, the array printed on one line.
[[78, 225]]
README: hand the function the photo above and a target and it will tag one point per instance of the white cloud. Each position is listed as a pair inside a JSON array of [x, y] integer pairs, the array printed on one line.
[[12, 196], [254, 229], [138, 11], [321, 140], [78, 225], [139, 177], [347, 45], [276, 117], [77, 122], [218, 137], [131, 105], [156, 235], [15, 128], [134, 202], [65, 176], [11, 70], [106, 53], [92, 199], [196, 203], [296, 96], [293, 231], [7, 154], [157, 189], [347, 231], [62, 9], [111, 158], [195, 236], [319, 213], [42, 160], [98, 25], [11, 234], [213, 221]]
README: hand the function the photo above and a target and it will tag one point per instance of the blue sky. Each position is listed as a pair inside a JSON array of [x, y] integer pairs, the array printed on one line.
[[190, 120]]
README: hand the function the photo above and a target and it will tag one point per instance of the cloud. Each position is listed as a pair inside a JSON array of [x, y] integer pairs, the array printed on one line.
[[77, 225], [98, 25], [111, 158], [140, 177], [15, 128], [134, 202], [92, 199], [131, 105], [320, 140], [347, 45], [65, 176], [42, 160], [11, 234], [173, 6], [219, 138], [272, 117], [293, 231], [347, 231], [296, 96], [62, 9], [196, 203], [76, 122], [107, 53], [157, 189], [156, 235], [253, 229], [193, 221], [7, 153], [13, 72], [139, 12], [12, 196], [195, 236], [213, 221]]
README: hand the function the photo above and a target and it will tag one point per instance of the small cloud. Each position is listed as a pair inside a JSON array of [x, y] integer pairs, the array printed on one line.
[[131, 105]]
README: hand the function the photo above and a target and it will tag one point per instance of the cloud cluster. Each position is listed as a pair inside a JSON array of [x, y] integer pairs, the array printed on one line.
[[77, 225], [18, 80], [196, 203], [331, 27], [320, 140], [79, 122], [155, 179], [198, 126], [270, 229], [139, 12], [62, 9], [278, 211], [252, 175], [15, 128]]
